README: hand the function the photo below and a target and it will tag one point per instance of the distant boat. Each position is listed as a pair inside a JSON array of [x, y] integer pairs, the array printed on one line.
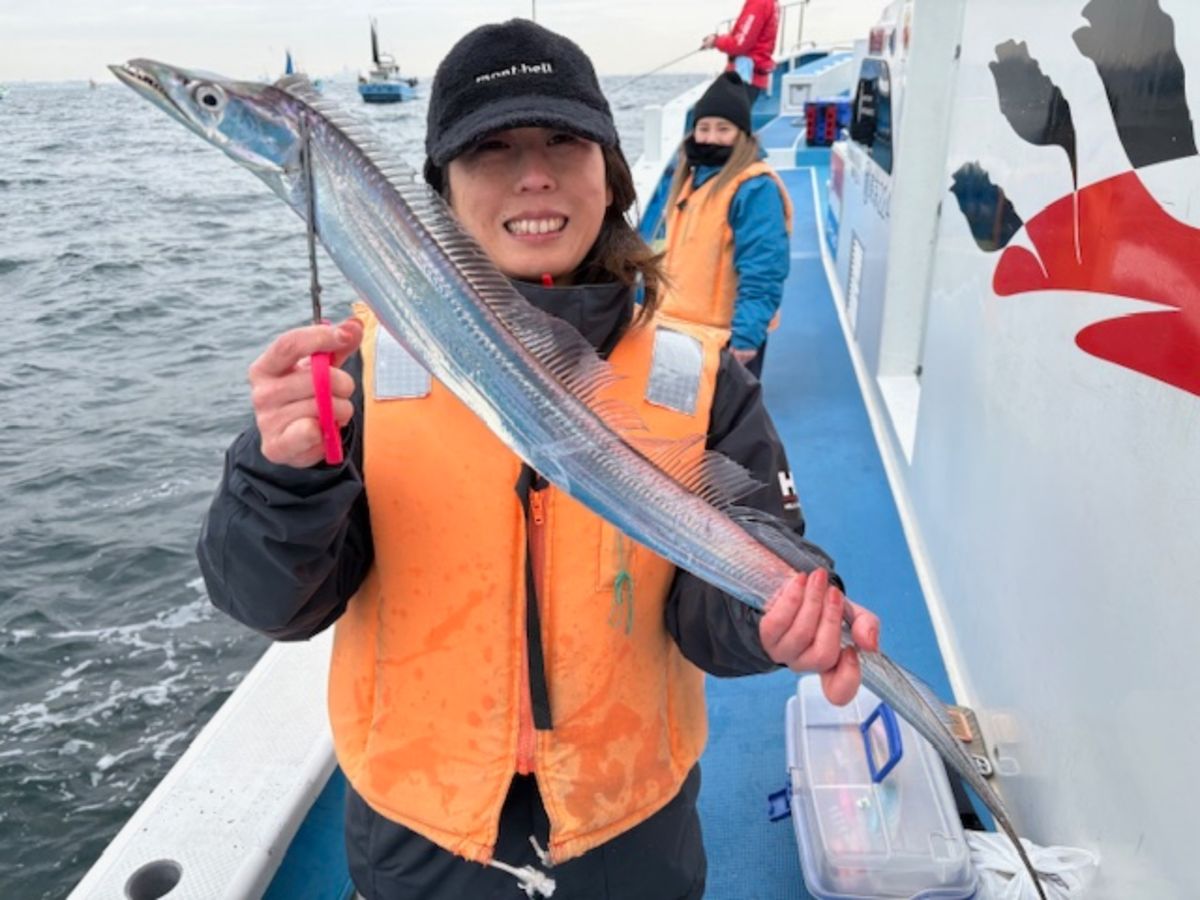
[[289, 68], [384, 84], [92, 83]]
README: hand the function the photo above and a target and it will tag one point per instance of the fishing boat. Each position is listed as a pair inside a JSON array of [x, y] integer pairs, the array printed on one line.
[[289, 68], [986, 377], [383, 84]]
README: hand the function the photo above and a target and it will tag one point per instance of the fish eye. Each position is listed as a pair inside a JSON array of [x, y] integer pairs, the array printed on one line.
[[210, 96]]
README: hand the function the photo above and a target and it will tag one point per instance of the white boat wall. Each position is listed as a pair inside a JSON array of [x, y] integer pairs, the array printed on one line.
[[1022, 294]]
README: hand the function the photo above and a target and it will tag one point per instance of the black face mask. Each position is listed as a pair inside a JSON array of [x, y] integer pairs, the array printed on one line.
[[706, 154]]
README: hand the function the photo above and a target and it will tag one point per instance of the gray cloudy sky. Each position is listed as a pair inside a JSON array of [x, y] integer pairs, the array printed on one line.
[[50, 40]]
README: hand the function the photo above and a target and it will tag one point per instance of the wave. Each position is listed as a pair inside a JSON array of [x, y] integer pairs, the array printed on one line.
[[23, 182]]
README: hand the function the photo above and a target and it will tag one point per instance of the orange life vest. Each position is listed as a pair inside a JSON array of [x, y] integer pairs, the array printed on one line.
[[699, 250], [428, 680]]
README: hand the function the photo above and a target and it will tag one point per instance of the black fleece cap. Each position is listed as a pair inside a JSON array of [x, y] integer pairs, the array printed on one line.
[[726, 97], [513, 75]]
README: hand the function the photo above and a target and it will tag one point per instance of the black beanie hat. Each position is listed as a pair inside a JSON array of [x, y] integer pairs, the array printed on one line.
[[726, 97], [513, 75]]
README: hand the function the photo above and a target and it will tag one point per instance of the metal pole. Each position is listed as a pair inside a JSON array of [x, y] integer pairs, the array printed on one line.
[[800, 30], [533, 4], [310, 204]]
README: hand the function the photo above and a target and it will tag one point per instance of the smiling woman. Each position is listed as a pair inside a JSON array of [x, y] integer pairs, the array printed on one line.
[[506, 148], [510, 671], [534, 198]]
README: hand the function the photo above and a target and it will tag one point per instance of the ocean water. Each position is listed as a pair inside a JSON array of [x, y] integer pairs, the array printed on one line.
[[141, 271]]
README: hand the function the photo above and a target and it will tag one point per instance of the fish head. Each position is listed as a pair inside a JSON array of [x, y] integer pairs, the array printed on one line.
[[258, 125]]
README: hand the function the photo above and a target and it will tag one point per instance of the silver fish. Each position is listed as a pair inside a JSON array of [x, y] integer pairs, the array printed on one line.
[[532, 378]]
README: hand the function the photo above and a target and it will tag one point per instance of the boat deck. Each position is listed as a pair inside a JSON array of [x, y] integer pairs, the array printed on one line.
[[813, 395]]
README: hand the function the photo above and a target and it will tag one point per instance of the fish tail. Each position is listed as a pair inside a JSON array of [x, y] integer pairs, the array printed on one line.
[[1007, 827], [888, 680]]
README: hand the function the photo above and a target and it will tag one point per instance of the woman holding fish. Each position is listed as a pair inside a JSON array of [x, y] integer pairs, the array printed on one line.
[[515, 683]]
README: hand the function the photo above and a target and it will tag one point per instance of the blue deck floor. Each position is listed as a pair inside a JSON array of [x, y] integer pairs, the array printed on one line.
[[779, 132], [814, 398]]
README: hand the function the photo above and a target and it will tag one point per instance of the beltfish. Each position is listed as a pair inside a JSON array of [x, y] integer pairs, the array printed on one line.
[[535, 382]]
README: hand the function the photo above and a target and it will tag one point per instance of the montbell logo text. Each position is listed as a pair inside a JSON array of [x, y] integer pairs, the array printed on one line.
[[542, 68], [1111, 237]]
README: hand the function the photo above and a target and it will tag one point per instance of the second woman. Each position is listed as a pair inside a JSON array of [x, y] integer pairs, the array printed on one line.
[[728, 219]]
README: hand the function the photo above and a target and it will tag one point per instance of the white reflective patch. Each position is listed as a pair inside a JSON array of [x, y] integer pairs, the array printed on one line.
[[787, 484], [398, 376], [675, 371]]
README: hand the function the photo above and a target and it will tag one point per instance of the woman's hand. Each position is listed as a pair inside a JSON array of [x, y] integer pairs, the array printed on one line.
[[281, 389], [802, 629], [710, 41]]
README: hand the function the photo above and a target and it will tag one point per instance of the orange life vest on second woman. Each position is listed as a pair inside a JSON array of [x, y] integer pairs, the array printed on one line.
[[429, 684], [699, 251]]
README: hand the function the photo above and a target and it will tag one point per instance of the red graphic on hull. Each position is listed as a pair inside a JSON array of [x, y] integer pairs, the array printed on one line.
[[1111, 237], [1128, 246]]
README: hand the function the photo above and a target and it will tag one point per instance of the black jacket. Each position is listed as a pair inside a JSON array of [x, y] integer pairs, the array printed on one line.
[[283, 549]]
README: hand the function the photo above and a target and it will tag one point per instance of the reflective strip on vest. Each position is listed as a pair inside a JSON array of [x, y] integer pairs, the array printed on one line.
[[675, 371], [398, 376]]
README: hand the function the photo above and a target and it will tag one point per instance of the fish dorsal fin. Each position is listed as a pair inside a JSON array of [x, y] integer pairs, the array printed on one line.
[[778, 537], [926, 693], [619, 416], [563, 351], [711, 476], [555, 343], [300, 87], [357, 130], [928, 697]]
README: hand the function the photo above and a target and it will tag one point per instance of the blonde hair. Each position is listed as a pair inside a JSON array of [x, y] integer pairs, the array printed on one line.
[[745, 152]]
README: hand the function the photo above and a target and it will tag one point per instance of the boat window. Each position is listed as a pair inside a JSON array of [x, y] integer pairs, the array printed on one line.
[[871, 115]]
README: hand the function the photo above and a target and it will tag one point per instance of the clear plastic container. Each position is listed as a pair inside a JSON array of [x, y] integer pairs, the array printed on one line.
[[860, 840]]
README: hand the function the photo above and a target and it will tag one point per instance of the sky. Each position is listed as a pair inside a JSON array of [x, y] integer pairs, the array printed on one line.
[[55, 40]]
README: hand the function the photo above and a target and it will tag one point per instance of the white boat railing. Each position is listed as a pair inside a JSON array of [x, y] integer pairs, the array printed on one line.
[[663, 128], [781, 41], [220, 822]]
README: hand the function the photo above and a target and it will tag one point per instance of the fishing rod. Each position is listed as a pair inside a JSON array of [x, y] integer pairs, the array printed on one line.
[[656, 69]]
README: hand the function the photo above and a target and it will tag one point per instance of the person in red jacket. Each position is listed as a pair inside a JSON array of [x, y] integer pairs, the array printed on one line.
[[753, 36]]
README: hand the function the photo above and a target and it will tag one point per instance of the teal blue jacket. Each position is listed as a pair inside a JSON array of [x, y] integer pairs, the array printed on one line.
[[761, 255]]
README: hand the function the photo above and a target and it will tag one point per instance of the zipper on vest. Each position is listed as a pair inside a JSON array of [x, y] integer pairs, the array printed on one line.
[[534, 712], [526, 738]]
